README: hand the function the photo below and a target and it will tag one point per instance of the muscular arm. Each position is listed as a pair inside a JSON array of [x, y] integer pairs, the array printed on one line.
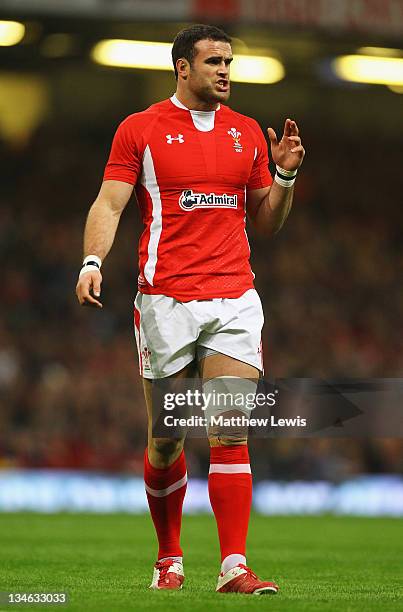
[[269, 208], [100, 229], [103, 218]]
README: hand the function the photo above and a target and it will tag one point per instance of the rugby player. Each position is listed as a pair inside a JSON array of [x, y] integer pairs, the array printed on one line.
[[198, 168]]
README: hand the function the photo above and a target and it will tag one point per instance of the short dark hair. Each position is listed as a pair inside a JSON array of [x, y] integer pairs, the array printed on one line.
[[186, 39]]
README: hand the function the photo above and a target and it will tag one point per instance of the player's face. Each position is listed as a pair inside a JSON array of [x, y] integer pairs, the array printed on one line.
[[209, 78]]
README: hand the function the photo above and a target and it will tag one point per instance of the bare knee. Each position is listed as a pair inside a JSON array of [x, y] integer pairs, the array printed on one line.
[[217, 440], [162, 452]]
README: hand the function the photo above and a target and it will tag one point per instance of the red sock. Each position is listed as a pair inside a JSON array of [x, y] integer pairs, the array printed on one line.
[[166, 490], [230, 490]]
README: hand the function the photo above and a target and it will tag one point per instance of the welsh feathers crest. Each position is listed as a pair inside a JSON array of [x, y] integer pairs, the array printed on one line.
[[236, 136], [234, 133]]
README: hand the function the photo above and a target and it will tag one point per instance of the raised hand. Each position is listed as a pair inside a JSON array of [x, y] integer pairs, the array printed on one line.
[[289, 152]]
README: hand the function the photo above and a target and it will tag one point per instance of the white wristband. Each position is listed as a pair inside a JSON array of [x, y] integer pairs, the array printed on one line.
[[86, 269], [284, 182], [90, 263], [92, 258], [285, 178], [286, 173]]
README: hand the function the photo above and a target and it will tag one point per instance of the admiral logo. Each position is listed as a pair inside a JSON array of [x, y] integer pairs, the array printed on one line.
[[190, 200]]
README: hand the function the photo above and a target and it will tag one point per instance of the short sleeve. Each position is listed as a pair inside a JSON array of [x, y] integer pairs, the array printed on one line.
[[260, 175], [124, 159]]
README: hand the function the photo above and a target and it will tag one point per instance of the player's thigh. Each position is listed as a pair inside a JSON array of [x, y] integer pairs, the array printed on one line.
[[166, 334], [231, 345], [169, 386], [223, 365]]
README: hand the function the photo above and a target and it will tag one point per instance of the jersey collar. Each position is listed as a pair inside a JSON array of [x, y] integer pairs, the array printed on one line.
[[179, 104], [202, 120]]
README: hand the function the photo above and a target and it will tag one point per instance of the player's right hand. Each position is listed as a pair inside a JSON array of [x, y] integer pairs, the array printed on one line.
[[89, 288]]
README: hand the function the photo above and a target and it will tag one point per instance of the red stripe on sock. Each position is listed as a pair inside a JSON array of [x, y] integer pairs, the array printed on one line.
[[166, 512], [231, 498]]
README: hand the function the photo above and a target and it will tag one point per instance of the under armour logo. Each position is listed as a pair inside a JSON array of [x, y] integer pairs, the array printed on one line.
[[179, 138]]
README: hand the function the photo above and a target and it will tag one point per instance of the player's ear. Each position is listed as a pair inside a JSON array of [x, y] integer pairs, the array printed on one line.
[[183, 68]]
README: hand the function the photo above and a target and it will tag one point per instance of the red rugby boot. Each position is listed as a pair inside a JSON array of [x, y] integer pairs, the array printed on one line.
[[168, 574], [241, 579]]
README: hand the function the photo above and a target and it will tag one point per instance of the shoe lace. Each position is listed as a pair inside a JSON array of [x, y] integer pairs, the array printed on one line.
[[249, 572], [163, 567]]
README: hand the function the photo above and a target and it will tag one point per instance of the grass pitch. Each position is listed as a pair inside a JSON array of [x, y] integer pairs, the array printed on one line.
[[105, 563]]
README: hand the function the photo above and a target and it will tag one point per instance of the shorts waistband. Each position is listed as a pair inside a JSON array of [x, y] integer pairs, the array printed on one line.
[[211, 300]]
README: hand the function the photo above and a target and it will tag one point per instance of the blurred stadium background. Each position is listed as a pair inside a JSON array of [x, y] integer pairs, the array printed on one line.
[[72, 420]]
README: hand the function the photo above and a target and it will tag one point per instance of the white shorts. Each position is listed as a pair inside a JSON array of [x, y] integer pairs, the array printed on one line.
[[170, 334]]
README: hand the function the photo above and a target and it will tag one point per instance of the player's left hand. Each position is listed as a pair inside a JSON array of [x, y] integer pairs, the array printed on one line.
[[289, 152]]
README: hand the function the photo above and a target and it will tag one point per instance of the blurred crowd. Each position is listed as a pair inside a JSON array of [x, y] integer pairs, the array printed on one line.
[[70, 392]]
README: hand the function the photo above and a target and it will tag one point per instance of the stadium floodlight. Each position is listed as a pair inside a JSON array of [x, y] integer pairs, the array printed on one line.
[[157, 56], [133, 54], [396, 88], [256, 69], [380, 51], [369, 69], [11, 33]]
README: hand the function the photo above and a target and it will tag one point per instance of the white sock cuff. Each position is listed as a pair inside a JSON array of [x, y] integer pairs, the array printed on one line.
[[232, 561], [176, 559]]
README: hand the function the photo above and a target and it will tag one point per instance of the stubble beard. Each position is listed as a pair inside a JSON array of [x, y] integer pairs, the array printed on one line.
[[211, 97], [207, 95]]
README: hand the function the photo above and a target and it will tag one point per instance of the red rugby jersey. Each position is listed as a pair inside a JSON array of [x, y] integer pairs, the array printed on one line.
[[191, 170]]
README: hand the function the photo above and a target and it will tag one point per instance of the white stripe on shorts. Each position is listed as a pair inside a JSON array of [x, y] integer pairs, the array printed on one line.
[[164, 492], [149, 180], [230, 468]]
